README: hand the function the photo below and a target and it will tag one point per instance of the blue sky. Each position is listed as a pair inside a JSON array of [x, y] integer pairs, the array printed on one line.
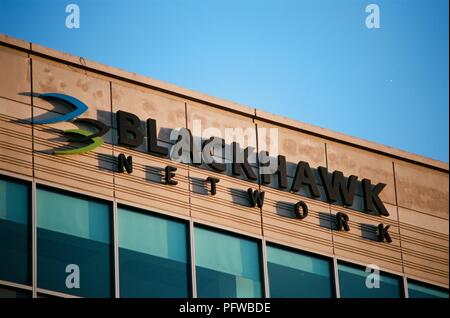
[[311, 60]]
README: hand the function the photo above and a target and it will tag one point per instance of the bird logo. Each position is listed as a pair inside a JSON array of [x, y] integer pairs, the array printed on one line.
[[88, 139]]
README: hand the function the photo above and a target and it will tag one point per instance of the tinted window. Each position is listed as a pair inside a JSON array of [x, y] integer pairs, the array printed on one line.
[[73, 232], [153, 256], [226, 265], [15, 231], [422, 290], [353, 279], [297, 274], [8, 292]]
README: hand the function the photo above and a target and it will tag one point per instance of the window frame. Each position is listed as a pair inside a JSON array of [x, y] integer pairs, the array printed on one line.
[[109, 204], [258, 241], [189, 259], [385, 273], [329, 259], [29, 216]]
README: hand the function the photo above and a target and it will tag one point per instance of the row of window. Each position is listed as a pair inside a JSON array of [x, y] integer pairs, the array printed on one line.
[[75, 255]]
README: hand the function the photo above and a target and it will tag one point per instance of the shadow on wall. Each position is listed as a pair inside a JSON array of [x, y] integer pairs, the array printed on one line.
[[199, 186], [239, 196], [58, 108], [154, 174], [369, 232], [286, 209]]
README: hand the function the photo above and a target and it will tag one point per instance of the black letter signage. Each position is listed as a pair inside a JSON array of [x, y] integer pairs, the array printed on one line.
[[338, 185], [342, 221], [213, 182], [304, 175], [128, 126], [125, 162], [383, 233], [170, 174], [304, 208], [152, 139], [236, 166], [371, 197], [256, 197]]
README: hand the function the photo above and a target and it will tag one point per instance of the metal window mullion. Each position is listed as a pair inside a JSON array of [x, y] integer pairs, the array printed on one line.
[[192, 252], [405, 287], [5, 283], [336, 278], [116, 250], [265, 270], [33, 240]]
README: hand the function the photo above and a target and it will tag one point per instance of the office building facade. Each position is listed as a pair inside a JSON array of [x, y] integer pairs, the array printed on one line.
[[114, 215]]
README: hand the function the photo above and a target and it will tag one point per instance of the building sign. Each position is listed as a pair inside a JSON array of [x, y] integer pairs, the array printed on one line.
[[338, 188], [76, 135]]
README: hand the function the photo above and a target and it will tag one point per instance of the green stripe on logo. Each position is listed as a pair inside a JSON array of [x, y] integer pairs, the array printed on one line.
[[95, 142]]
